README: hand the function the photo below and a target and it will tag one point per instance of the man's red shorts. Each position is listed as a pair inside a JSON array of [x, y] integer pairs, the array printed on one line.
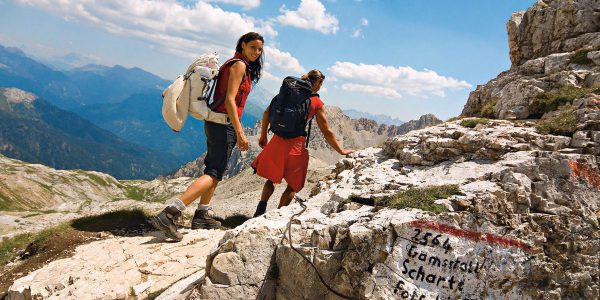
[[283, 159]]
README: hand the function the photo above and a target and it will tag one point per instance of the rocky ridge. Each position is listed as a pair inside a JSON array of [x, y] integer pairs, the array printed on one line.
[[553, 45], [352, 133], [525, 224]]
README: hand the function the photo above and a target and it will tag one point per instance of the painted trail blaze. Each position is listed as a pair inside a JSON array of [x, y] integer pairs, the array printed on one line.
[[472, 235], [579, 170]]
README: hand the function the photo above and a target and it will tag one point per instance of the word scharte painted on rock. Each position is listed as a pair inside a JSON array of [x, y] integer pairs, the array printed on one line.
[[431, 260]]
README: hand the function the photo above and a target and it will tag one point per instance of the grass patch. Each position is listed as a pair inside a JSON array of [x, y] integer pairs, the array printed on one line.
[[487, 111], [97, 179], [422, 198], [563, 123], [30, 242], [471, 123], [452, 119], [551, 101], [580, 57], [135, 193], [5, 203]]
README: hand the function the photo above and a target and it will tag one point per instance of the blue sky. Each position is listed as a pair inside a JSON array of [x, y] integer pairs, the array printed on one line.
[[395, 57]]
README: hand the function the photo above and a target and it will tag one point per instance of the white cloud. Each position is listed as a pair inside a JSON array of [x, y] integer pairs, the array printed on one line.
[[266, 28], [268, 76], [172, 27], [311, 14], [371, 89], [393, 81], [246, 4], [357, 32], [283, 60]]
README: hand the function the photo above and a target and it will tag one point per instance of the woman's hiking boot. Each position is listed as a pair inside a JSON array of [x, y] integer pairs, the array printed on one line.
[[166, 220], [261, 208], [202, 220]]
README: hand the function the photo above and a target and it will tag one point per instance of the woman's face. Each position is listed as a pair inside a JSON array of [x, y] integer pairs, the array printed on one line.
[[252, 50], [317, 85]]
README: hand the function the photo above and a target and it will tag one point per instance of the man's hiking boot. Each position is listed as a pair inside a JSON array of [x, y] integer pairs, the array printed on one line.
[[261, 208], [165, 221], [202, 220]]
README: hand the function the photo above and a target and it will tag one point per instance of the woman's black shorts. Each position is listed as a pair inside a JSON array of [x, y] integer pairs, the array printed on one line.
[[220, 140]]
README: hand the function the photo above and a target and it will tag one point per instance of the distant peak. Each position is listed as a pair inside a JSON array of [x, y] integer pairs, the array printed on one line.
[[92, 67], [15, 95], [13, 50]]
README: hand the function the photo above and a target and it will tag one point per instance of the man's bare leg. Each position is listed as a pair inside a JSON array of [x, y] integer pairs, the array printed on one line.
[[267, 191], [286, 197]]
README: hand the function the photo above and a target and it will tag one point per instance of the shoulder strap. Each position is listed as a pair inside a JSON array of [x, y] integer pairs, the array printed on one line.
[[310, 121], [220, 101], [308, 135]]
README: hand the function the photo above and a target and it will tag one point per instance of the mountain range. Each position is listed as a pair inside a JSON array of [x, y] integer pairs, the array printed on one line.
[[91, 84], [36, 131], [379, 118], [133, 96]]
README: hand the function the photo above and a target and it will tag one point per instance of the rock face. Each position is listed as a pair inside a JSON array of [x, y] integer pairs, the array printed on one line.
[[553, 45], [524, 226], [553, 26], [18, 96]]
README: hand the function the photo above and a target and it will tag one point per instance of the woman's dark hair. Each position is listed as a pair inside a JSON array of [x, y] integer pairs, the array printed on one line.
[[255, 66], [313, 76]]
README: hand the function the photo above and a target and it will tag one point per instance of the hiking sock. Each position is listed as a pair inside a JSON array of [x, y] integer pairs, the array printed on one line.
[[203, 207], [178, 204], [261, 208]]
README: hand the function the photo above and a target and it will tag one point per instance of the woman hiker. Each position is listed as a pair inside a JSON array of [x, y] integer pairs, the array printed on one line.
[[235, 80], [288, 158]]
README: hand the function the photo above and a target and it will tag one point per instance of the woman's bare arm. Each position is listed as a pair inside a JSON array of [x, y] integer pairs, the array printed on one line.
[[236, 73], [262, 141], [328, 133]]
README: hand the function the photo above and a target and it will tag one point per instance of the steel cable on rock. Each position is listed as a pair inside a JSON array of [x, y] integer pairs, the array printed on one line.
[[289, 231]]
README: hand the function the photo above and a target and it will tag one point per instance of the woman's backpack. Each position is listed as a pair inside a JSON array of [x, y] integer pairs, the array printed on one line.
[[191, 92], [288, 111]]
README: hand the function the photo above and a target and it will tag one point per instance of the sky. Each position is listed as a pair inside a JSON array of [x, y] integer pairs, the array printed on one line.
[[400, 58]]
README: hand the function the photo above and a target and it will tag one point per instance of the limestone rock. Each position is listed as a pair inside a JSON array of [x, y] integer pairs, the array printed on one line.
[[114, 268], [544, 42], [509, 235], [223, 268], [544, 28]]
